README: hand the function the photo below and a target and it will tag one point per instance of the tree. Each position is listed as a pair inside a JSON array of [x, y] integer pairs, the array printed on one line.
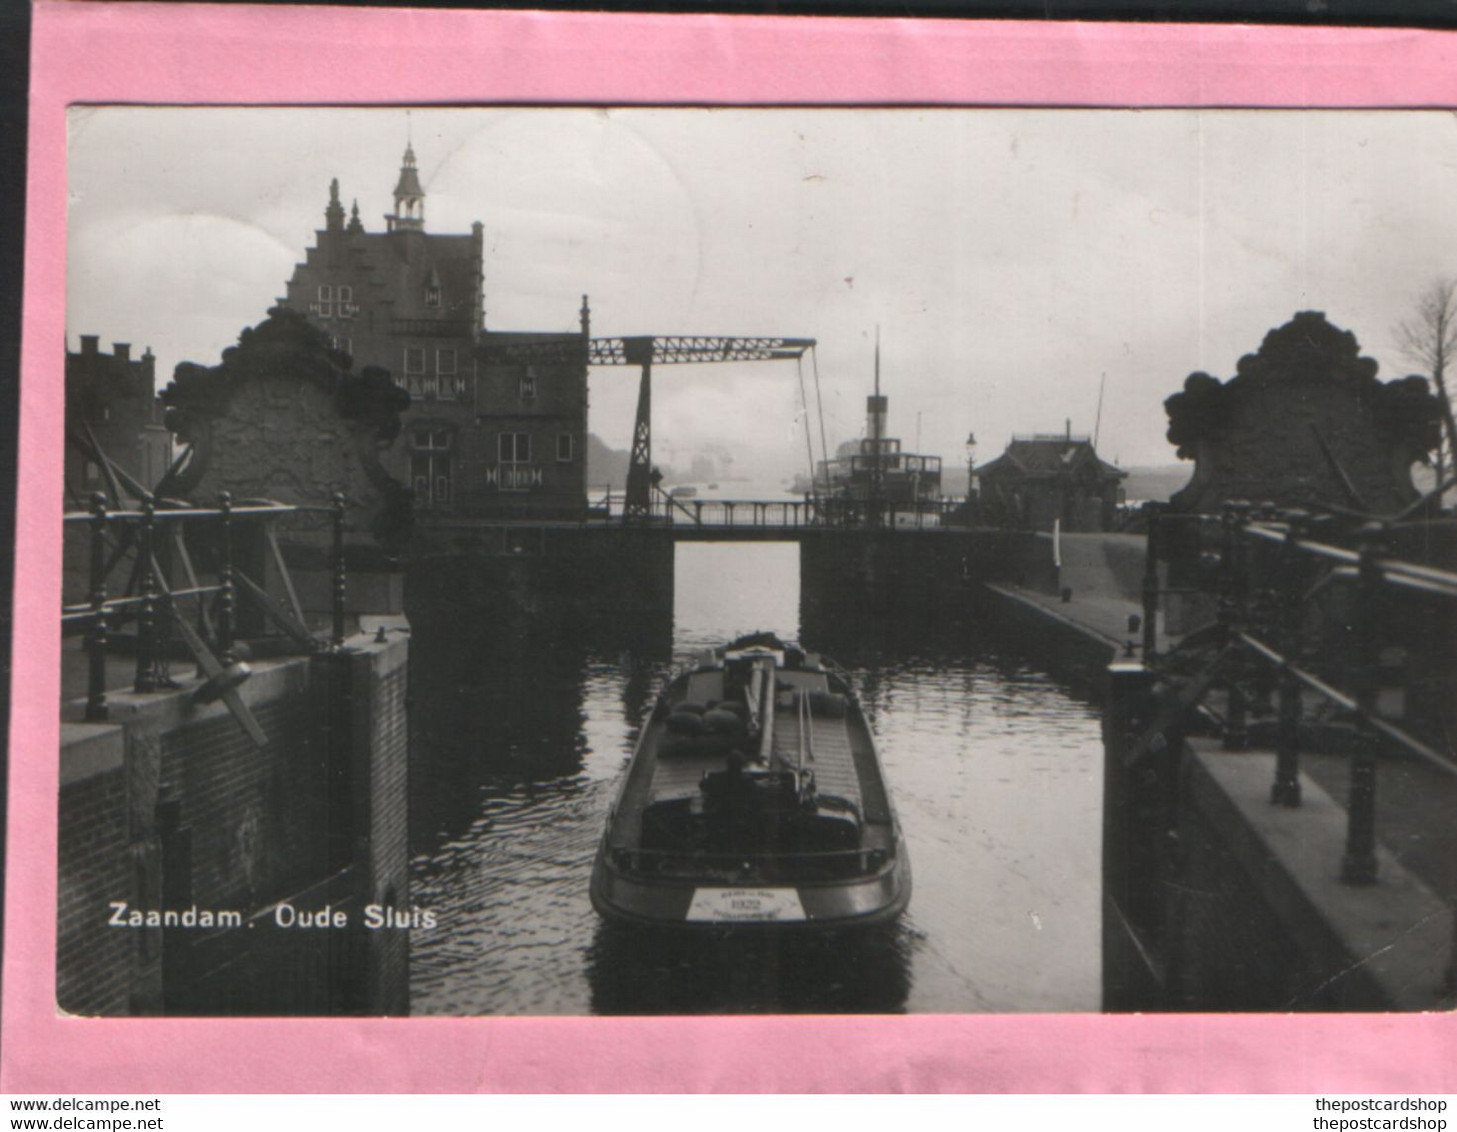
[[1429, 339]]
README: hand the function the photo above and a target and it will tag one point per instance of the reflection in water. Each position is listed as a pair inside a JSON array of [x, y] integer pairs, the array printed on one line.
[[494, 710], [646, 971], [519, 735]]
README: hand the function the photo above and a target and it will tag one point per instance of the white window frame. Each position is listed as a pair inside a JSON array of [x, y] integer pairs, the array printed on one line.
[[434, 444], [448, 387], [517, 473]]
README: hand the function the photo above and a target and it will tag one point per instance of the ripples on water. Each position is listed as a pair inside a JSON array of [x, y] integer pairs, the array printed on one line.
[[517, 743]]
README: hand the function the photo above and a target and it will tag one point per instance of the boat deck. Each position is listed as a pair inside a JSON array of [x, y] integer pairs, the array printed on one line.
[[831, 753]]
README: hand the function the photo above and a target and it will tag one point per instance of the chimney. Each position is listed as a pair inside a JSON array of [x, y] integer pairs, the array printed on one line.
[[875, 413], [122, 350], [88, 344], [1069, 432]]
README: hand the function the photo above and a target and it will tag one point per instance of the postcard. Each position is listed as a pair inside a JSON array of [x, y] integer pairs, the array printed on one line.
[[898, 562]]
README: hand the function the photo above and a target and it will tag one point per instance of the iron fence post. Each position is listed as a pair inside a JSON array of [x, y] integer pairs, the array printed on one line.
[[226, 596], [339, 577], [1151, 584], [166, 611], [1231, 617], [146, 678], [1262, 607], [96, 638], [1286, 788], [1359, 865]]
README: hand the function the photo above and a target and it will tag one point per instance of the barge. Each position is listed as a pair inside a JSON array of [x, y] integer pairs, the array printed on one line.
[[755, 796]]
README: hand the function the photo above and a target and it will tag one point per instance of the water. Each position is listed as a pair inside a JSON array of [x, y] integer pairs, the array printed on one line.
[[518, 742]]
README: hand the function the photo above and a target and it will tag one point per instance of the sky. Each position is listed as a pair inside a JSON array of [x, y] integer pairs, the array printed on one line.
[[1014, 262]]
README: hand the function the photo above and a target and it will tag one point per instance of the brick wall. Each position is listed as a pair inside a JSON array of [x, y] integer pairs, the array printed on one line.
[[253, 812], [94, 965], [1229, 949], [178, 807], [383, 676]]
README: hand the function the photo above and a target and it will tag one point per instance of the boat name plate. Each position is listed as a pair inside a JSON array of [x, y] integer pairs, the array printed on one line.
[[745, 905]]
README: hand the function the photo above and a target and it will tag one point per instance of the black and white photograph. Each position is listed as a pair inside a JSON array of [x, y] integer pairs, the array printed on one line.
[[709, 561]]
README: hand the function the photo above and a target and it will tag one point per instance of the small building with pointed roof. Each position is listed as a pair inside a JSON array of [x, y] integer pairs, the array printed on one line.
[[1051, 477]]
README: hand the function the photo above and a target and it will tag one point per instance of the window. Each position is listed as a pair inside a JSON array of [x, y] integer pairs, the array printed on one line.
[[413, 377], [430, 467], [563, 448], [528, 385], [432, 296], [514, 447], [345, 344], [324, 308], [345, 294], [514, 451], [446, 369]]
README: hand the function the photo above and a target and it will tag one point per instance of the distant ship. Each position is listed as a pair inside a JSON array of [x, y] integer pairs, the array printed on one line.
[[875, 468]]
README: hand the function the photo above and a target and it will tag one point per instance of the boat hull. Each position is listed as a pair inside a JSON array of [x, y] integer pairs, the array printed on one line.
[[692, 905], [755, 799]]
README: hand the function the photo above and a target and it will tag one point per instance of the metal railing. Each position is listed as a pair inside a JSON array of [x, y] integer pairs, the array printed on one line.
[[807, 513], [138, 535], [1268, 570], [802, 514]]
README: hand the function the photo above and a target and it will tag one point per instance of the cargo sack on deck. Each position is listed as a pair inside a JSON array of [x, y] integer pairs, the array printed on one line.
[[722, 722], [685, 723], [831, 705]]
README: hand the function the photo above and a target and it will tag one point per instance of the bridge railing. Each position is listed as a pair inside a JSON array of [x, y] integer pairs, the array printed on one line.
[[143, 539], [804, 513], [800, 514]]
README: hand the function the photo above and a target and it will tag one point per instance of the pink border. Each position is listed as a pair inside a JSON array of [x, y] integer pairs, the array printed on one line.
[[174, 53]]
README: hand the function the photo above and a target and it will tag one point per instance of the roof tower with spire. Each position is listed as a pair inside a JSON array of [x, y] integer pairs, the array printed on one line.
[[409, 214]]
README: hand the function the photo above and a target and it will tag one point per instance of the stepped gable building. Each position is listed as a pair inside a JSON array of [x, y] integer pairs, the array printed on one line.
[[1047, 477], [479, 440]]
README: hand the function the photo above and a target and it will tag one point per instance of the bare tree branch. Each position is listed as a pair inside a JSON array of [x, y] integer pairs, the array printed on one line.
[[1429, 340]]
